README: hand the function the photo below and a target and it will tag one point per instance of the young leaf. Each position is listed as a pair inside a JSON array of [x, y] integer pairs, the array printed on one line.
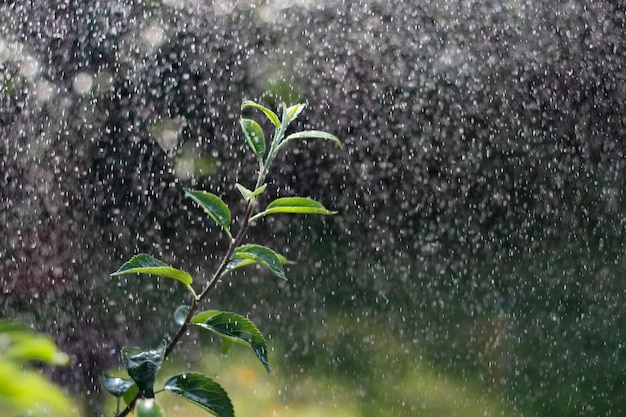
[[294, 205], [294, 111], [146, 264], [270, 114], [247, 194], [143, 365], [213, 206], [262, 255], [148, 407], [254, 136], [312, 134], [201, 391], [116, 386], [236, 328]]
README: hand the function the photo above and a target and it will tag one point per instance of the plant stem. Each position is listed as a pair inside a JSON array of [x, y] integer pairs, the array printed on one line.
[[199, 298], [234, 242]]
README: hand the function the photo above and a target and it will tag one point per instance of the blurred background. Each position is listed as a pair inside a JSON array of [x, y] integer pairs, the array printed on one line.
[[475, 268]]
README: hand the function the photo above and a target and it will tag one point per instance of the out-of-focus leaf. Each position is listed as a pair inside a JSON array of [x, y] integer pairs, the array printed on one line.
[[148, 407], [294, 205], [147, 264], [142, 366], [116, 386], [181, 314], [213, 206], [23, 391], [34, 347], [236, 328], [254, 136], [202, 391], [312, 134], [270, 114], [262, 255]]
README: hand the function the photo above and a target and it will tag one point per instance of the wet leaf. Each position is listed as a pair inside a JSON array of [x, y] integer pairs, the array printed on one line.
[[254, 136], [236, 328], [148, 407], [142, 366], [181, 314], [239, 263], [116, 386], [213, 206], [294, 205], [262, 255], [202, 391], [147, 264], [130, 394], [312, 134], [270, 114]]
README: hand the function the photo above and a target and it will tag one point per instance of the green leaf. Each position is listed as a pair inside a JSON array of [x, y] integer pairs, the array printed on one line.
[[181, 314], [239, 263], [262, 255], [24, 391], [294, 111], [312, 134], [30, 346], [116, 386], [143, 365], [147, 264], [148, 407], [270, 114], [130, 394], [254, 136], [236, 328], [202, 391], [294, 205], [247, 194], [213, 206]]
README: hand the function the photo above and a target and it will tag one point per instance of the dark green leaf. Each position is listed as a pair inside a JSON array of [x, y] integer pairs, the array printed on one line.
[[148, 407], [181, 314], [262, 255], [236, 328], [212, 205], [146, 264], [254, 136], [294, 205], [143, 365], [270, 114], [313, 134], [202, 391], [116, 386]]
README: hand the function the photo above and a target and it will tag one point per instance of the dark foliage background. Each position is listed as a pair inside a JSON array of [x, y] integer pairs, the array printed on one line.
[[482, 179]]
